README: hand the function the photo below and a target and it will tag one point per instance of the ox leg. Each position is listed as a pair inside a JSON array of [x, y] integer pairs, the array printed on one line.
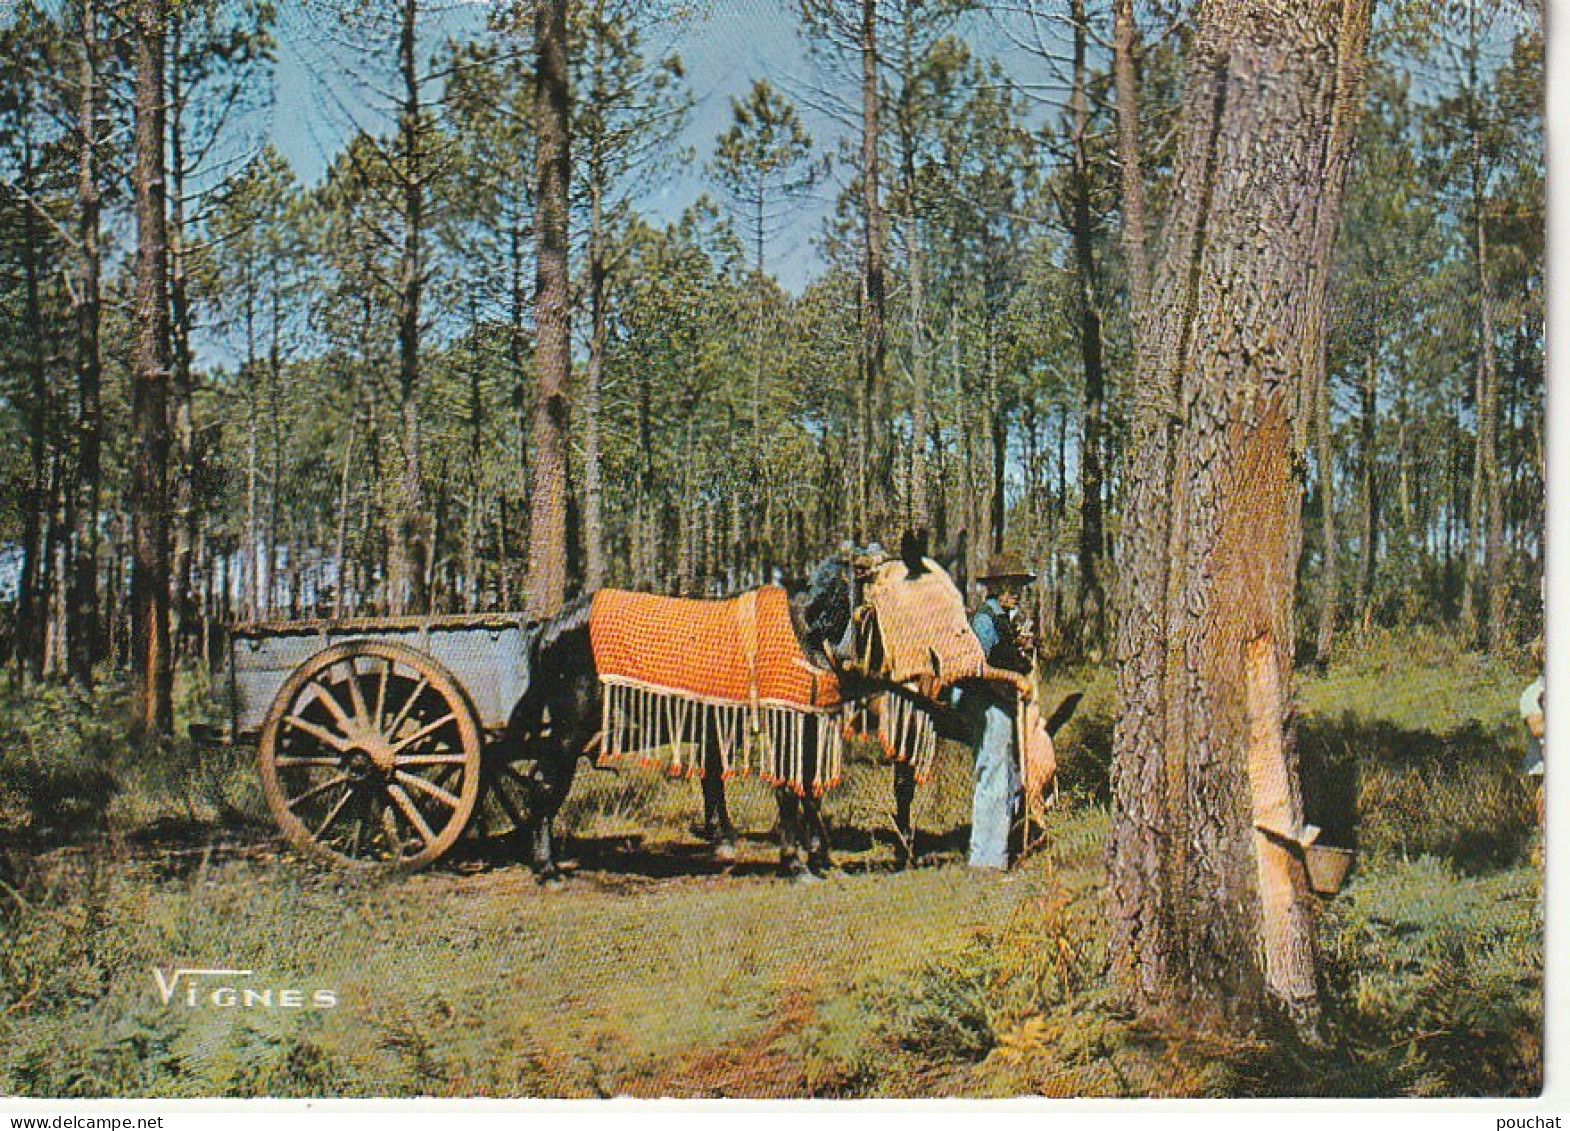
[[555, 772], [904, 833], [542, 851], [717, 828], [816, 834], [793, 849]]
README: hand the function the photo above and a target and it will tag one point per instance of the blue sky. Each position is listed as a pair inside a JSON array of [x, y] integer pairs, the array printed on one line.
[[316, 106]]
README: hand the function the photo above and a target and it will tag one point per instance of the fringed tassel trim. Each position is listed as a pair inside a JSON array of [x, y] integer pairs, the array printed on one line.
[[907, 735], [674, 731], [831, 753]]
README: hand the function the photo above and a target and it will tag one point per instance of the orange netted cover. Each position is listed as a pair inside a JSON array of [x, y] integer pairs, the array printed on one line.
[[738, 650], [922, 624]]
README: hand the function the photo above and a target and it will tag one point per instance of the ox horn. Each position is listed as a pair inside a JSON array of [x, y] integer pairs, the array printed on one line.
[[913, 551]]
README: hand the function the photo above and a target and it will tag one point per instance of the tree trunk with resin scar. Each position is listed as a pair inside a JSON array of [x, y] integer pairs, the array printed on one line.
[[1209, 897]]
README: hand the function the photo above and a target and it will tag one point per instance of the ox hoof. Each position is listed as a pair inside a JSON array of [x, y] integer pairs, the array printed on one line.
[[725, 852], [803, 878]]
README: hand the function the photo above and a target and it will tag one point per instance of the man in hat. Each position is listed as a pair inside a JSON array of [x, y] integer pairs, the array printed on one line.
[[996, 800]]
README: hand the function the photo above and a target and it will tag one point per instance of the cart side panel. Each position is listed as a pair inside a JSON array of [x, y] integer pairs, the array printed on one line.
[[258, 665], [489, 660], [490, 663]]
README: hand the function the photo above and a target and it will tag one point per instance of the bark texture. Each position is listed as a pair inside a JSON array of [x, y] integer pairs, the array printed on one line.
[[878, 474], [1485, 526], [411, 580], [593, 476], [1092, 527], [151, 670], [183, 536], [82, 625], [1208, 912], [553, 315], [1330, 570], [1125, 75], [32, 596]]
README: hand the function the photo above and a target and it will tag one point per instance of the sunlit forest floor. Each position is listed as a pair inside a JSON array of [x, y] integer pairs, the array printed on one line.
[[656, 971]]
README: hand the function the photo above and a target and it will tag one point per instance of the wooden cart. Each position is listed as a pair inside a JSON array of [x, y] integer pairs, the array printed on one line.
[[380, 740]]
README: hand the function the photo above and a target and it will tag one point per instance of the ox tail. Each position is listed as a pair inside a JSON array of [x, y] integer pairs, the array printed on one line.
[[1064, 712]]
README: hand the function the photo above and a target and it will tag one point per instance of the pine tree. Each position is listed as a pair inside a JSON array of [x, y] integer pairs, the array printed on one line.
[[1208, 893], [548, 504], [151, 662]]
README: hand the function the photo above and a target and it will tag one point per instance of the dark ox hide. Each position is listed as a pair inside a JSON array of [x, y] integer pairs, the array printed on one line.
[[558, 719]]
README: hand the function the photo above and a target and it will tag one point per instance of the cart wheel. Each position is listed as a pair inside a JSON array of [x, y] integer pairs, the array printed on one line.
[[370, 756], [509, 792]]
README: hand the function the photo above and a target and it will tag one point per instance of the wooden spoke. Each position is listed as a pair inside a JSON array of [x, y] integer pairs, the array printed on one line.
[[325, 696], [332, 814], [445, 774], [381, 694], [508, 807], [427, 787], [302, 760], [356, 692], [431, 759], [317, 789], [320, 733], [423, 732], [510, 791], [411, 812], [387, 825], [419, 689], [404, 821]]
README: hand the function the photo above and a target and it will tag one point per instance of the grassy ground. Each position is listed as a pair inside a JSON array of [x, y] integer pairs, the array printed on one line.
[[652, 973]]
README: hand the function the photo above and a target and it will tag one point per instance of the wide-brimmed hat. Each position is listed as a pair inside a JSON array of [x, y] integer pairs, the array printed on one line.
[[1006, 567]]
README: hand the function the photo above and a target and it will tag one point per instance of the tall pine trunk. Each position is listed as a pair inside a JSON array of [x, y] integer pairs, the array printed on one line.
[[1368, 488], [517, 341], [1092, 529], [1482, 579], [553, 314], [593, 475], [598, 268], [82, 645], [1329, 580], [1487, 511], [1125, 71], [920, 510], [184, 531], [996, 422], [410, 588], [647, 527], [473, 552], [875, 450], [1209, 901], [250, 543], [341, 536], [275, 414], [32, 603], [57, 564], [151, 670]]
